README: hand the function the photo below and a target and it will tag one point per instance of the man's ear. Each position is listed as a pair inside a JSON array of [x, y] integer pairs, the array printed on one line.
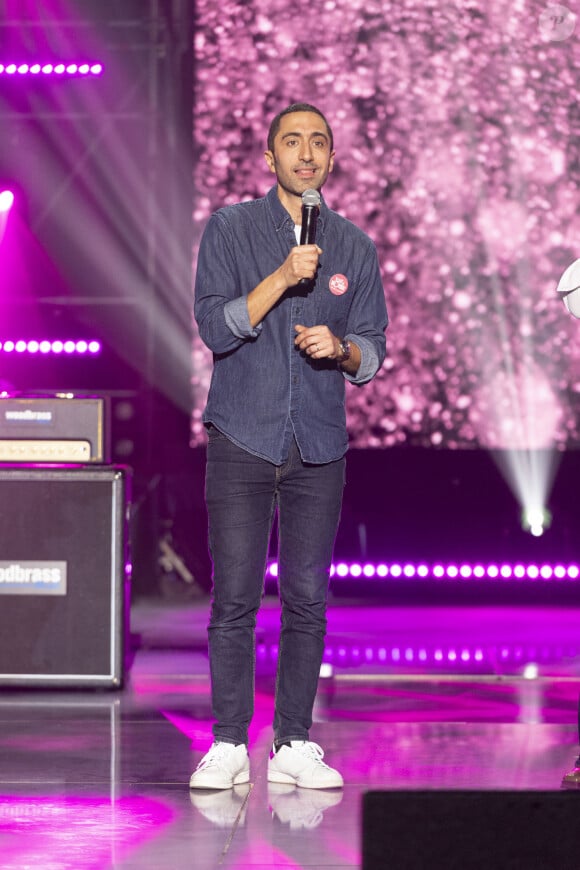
[[269, 158]]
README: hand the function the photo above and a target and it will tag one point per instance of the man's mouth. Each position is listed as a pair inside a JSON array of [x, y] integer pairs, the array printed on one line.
[[306, 171]]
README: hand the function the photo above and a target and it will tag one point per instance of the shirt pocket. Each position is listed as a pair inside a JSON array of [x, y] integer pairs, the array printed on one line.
[[333, 307]]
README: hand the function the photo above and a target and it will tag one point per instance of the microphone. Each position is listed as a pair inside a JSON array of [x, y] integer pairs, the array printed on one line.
[[310, 212]]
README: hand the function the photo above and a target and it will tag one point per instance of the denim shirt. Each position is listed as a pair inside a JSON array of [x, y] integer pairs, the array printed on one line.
[[264, 391]]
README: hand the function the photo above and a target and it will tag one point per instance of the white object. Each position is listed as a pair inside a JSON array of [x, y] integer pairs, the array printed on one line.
[[224, 766], [569, 287], [301, 764]]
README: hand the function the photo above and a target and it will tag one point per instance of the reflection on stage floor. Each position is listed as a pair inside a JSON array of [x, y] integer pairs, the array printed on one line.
[[410, 699]]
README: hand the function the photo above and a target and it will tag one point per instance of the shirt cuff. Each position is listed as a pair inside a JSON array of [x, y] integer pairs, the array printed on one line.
[[238, 320], [369, 361]]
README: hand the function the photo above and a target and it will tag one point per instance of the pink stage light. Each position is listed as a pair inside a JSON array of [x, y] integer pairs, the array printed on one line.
[[46, 346], [6, 201], [83, 68]]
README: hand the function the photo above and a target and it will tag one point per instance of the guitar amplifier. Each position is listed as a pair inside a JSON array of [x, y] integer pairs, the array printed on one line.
[[57, 429]]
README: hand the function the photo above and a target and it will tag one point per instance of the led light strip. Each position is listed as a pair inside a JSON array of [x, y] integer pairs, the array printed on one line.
[[46, 346], [439, 571], [355, 653], [49, 69]]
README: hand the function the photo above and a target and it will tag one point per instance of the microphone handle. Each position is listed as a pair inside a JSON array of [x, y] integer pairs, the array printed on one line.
[[308, 233], [308, 228]]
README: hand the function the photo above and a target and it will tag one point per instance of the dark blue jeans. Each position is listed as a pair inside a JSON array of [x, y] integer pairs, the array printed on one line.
[[242, 493]]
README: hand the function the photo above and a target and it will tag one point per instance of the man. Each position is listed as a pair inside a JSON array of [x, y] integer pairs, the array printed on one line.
[[277, 436]]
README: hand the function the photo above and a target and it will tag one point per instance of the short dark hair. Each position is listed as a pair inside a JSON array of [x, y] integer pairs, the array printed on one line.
[[290, 110]]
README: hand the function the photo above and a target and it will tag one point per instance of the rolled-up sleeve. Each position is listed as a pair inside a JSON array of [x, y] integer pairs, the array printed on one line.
[[238, 319], [220, 303], [368, 319], [369, 361]]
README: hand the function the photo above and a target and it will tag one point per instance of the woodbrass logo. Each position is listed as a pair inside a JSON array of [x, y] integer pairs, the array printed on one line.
[[32, 578]]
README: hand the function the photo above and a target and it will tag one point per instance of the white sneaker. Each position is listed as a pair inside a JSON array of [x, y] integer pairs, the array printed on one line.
[[298, 808], [224, 766], [301, 764]]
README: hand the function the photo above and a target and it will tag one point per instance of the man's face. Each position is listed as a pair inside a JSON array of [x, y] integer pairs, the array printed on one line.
[[301, 158]]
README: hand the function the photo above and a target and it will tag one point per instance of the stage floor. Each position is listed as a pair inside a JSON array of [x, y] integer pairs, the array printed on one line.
[[412, 698]]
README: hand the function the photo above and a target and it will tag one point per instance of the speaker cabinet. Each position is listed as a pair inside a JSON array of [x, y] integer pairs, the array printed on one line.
[[471, 830], [64, 586]]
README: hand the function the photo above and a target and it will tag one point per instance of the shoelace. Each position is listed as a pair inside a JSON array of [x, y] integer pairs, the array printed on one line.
[[216, 754], [313, 751]]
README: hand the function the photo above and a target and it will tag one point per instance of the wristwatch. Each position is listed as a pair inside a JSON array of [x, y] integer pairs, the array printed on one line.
[[345, 350]]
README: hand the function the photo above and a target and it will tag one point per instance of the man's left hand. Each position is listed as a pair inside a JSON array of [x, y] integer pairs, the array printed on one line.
[[318, 342]]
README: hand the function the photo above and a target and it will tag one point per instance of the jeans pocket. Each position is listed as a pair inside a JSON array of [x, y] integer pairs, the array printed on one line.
[[213, 434]]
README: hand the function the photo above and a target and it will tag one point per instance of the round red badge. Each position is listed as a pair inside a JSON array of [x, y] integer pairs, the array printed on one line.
[[338, 284]]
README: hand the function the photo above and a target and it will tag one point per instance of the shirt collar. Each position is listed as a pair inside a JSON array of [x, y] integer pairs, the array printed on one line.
[[279, 214]]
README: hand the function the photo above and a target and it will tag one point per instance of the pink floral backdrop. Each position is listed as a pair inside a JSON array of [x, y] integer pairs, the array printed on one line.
[[456, 130]]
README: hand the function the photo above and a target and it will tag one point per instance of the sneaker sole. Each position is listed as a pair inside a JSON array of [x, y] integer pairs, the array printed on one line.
[[220, 784], [275, 776]]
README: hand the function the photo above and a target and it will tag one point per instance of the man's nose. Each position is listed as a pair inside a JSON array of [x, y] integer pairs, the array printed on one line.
[[305, 151]]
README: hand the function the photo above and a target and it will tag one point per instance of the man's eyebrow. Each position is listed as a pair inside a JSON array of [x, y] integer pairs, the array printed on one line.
[[312, 136]]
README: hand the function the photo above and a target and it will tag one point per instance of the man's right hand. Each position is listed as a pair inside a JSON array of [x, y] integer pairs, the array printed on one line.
[[301, 262]]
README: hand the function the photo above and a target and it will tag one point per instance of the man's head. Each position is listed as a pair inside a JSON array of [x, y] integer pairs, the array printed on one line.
[[300, 151], [296, 107]]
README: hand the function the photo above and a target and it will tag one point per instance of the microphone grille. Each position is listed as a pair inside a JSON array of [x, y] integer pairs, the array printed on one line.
[[311, 197]]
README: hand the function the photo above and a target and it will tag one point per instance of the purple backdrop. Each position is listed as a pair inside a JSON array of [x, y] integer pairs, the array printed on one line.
[[456, 128]]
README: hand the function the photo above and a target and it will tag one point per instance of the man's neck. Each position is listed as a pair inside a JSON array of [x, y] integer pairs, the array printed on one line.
[[292, 204]]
